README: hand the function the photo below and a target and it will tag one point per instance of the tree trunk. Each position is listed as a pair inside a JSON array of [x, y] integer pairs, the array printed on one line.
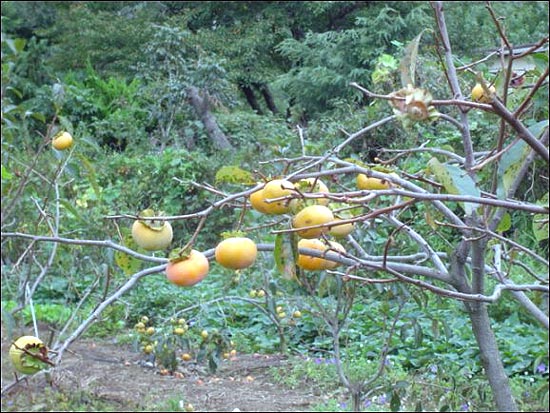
[[481, 323], [490, 357], [481, 326], [268, 97], [202, 107], [251, 98]]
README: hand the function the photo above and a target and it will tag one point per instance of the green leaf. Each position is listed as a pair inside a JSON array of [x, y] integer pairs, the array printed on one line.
[[70, 207], [540, 221], [91, 174], [418, 335], [418, 299], [538, 128], [286, 255], [39, 116], [28, 361], [505, 223], [408, 63], [402, 384], [540, 60], [326, 285], [65, 123], [16, 92], [16, 45], [385, 65], [6, 175], [388, 61], [512, 160], [435, 328], [19, 44], [456, 182]]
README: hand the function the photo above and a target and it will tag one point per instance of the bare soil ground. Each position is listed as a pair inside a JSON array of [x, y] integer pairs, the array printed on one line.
[[115, 376]]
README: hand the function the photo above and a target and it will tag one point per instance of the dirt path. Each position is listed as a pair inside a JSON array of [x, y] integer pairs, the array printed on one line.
[[116, 375]]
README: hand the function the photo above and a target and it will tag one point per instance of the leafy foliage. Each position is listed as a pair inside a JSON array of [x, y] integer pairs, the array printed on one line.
[[474, 31], [455, 182], [111, 111], [109, 35], [117, 76]]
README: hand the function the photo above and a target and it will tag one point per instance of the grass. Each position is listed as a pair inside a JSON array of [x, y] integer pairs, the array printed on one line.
[[55, 399], [434, 388]]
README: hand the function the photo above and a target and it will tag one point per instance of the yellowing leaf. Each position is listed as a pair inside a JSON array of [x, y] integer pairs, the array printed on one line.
[[509, 166], [127, 263], [408, 63], [285, 254], [234, 175], [429, 220], [540, 221]]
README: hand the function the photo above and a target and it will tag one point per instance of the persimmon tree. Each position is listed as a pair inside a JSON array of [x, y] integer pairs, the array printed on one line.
[[466, 199]]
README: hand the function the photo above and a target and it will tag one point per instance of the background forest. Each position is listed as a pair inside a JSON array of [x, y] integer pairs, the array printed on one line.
[[173, 103]]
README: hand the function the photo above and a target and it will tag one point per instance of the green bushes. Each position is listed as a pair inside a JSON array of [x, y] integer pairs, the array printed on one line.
[[111, 110], [139, 144]]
